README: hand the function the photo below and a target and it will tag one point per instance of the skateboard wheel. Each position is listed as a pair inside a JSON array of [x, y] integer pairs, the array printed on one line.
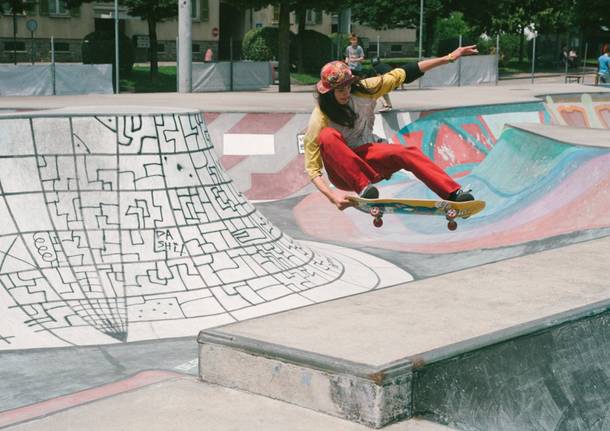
[[451, 214], [375, 211], [378, 222], [452, 225]]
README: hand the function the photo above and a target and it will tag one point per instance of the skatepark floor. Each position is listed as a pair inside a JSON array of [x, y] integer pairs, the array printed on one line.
[[183, 403], [394, 323]]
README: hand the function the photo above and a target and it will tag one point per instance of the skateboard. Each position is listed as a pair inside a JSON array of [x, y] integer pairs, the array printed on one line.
[[450, 210]]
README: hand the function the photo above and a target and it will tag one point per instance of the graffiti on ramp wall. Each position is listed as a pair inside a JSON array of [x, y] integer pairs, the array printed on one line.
[[125, 227]]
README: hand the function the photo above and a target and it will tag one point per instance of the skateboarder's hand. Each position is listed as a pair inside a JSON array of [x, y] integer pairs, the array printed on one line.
[[341, 202], [464, 50]]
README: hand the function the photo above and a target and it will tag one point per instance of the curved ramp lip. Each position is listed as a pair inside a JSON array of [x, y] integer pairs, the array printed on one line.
[[561, 134], [573, 95], [101, 110]]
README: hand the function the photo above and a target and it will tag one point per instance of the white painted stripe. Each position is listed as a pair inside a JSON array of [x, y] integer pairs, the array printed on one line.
[[247, 144]]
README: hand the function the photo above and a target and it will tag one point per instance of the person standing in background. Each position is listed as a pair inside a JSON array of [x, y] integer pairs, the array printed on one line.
[[209, 55], [604, 66], [354, 55]]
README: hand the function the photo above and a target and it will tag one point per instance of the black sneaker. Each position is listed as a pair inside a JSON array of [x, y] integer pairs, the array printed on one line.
[[461, 196], [369, 192]]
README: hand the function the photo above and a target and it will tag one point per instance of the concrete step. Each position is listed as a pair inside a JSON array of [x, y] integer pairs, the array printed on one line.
[[393, 354]]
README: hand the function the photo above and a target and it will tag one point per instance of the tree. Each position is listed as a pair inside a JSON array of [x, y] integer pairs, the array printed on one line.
[[153, 12], [17, 7], [593, 19], [508, 16], [383, 14], [448, 31], [287, 6]]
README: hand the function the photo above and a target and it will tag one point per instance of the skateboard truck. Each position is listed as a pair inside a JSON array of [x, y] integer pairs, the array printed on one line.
[[377, 213], [451, 214]]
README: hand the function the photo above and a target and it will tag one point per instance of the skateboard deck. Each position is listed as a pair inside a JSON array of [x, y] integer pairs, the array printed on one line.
[[450, 210]]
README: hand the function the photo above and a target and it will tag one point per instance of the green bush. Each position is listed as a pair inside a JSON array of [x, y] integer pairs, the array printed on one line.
[[448, 32], [509, 48], [262, 44], [316, 50], [98, 48], [256, 44]]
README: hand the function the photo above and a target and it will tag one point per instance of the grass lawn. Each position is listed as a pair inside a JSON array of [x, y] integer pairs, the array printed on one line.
[[139, 80], [304, 78]]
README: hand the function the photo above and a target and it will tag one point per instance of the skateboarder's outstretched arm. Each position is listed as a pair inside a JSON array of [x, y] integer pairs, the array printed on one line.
[[431, 63]]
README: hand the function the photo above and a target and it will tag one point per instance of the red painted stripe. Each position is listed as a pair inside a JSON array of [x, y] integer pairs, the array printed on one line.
[[260, 123], [290, 179], [209, 117], [228, 162], [488, 130], [45, 408]]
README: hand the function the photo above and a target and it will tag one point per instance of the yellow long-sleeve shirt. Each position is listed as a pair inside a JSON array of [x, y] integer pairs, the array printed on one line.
[[363, 105]]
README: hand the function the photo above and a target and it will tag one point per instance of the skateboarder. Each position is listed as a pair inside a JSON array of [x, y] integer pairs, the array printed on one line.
[[340, 134]]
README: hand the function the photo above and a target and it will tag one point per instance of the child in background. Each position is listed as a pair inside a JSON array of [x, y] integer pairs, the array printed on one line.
[[354, 55]]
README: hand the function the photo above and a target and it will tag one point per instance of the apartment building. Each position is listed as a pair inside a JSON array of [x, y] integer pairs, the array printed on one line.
[[216, 25], [68, 27]]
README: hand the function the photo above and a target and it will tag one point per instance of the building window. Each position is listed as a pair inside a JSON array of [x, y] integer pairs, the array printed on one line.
[[204, 13], [276, 14], [57, 7], [396, 48], [62, 47], [194, 9], [14, 46], [200, 10], [313, 17], [160, 47], [334, 23]]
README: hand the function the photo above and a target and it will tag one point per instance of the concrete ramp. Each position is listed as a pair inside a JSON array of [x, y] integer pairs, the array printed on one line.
[[539, 181], [119, 225], [590, 110]]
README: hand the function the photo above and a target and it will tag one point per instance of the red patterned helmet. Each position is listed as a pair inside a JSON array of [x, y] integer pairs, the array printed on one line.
[[334, 75]]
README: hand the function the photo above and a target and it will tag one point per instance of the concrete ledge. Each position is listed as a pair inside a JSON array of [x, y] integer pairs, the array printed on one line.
[[368, 395], [373, 396], [382, 344]]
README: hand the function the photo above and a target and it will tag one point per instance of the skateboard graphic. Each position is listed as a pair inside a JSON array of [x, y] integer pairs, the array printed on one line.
[[450, 210]]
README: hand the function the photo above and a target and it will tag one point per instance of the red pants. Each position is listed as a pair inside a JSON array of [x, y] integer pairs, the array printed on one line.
[[352, 169]]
